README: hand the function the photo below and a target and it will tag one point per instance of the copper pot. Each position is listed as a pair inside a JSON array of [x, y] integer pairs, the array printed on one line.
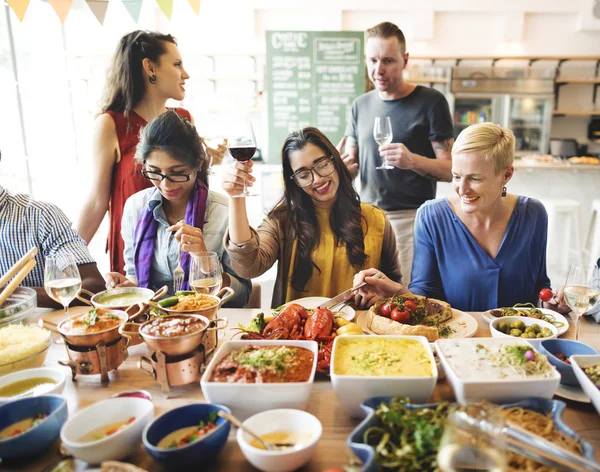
[[174, 345], [103, 299], [178, 371], [91, 339], [220, 297], [86, 361]]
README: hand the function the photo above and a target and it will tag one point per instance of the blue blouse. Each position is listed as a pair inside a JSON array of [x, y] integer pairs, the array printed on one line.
[[450, 265]]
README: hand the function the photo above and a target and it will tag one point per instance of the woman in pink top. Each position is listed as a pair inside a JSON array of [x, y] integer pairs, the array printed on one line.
[[147, 71]]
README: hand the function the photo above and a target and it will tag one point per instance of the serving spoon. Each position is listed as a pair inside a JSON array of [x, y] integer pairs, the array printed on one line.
[[268, 445]]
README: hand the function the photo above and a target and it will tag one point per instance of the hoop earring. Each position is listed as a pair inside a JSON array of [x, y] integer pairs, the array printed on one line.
[[152, 79], [504, 191]]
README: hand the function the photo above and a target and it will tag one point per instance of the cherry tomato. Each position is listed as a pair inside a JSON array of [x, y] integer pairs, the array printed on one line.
[[386, 310], [546, 295], [401, 316], [410, 305]]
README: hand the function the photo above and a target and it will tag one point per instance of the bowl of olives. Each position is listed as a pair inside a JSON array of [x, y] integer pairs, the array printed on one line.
[[531, 329]]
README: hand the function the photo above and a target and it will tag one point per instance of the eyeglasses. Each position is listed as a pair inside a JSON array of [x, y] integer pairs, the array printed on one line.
[[323, 167], [171, 177]]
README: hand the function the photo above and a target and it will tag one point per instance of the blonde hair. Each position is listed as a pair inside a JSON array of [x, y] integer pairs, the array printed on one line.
[[492, 141]]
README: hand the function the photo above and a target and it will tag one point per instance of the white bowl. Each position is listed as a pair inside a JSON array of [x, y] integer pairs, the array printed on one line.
[[528, 322], [578, 362], [352, 390], [245, 400], [115, 447], [289, 421], [486, 384], [55, 374]]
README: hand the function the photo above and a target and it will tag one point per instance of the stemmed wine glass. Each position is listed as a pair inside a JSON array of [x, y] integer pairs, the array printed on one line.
[[582, 291], [383, 134], [206, 275], [61, 279], [242, 146]]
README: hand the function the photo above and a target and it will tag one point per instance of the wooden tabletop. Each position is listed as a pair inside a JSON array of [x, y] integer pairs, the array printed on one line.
[[337, 425]]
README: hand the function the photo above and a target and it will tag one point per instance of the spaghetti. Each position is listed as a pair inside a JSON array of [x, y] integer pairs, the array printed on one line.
[[540, 425]]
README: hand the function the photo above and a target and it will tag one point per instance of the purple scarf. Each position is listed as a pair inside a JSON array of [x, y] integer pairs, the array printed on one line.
[[144, 236]]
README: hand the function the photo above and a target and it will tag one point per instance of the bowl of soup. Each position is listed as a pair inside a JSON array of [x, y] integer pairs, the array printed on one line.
[[120, 298], [88, 329], [31, 383], [368, 366], [188, 437], [29, 426], [108, 430]]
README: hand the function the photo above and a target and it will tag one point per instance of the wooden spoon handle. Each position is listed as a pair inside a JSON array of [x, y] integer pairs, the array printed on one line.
[[14, 283], [18, 266]]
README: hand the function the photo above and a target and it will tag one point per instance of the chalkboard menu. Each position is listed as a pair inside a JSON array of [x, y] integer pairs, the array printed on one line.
[[312, 78]]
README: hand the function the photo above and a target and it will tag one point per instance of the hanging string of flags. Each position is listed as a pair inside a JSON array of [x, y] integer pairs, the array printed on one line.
[[99, 7]]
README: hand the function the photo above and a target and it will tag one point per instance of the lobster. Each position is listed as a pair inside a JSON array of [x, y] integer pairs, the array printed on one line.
[[319, 325], [287, 324]]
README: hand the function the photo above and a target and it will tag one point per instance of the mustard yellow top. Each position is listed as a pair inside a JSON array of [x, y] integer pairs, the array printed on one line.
[[337, 272]]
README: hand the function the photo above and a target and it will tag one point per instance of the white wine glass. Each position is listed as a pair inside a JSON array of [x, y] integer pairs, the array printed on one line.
[[241, 144], [61, 279], [206, 275], [582, 291], [383, 134]]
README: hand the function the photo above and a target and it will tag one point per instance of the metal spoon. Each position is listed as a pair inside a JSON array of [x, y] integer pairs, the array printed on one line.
[[270, 446]]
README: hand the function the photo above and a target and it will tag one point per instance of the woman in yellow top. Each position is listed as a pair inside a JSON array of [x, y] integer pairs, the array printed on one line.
[[319, 232]]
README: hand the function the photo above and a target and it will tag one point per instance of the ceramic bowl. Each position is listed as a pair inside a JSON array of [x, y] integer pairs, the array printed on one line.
[[528, 322], [591, 389], [195, 454], [39, 438], [286, 420], [352, 390], [116, 446], [57, 375], [569, 348], [246, 399]]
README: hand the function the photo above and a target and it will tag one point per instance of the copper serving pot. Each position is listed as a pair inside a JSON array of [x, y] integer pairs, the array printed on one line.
[[178, 371], [87, 361], [114, 299], [210, 312], [91, 339], [175, 345]]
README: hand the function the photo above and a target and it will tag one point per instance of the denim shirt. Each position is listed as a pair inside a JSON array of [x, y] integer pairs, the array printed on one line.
[[166, 249]]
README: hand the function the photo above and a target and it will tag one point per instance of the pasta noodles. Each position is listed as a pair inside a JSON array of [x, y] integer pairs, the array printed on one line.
[[197, 301], [543, 426]]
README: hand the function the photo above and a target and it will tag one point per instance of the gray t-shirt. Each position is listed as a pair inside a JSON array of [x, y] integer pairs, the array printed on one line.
[[417, 119]]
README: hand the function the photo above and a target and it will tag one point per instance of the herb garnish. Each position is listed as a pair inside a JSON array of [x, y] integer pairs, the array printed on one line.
[[274, 360], [92, 318]]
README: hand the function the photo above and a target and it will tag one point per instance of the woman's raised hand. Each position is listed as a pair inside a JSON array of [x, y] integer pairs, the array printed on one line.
[[189, 237], [117, 280], [376, 288], [234, 176]]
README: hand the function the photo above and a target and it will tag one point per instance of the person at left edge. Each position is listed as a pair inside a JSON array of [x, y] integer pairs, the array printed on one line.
[[179, 208], [26, 223]]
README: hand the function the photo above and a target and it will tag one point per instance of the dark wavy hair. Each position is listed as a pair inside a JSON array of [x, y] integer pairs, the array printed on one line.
[[177, 137], [126, 84], [297, 207]]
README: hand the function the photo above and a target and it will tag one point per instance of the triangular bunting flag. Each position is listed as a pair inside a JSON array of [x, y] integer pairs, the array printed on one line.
[[195, 5], [19, 7], [134, 7], [61, 7], [98, 8], [166, 6]]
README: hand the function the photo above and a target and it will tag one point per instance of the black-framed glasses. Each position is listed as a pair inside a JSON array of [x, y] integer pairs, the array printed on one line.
[[171, 177], [323, 167]]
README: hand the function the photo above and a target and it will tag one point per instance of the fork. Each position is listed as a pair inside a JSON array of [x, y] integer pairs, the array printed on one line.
[[178, 274]]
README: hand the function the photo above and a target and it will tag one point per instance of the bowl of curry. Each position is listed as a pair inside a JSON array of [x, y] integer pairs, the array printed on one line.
[[249, 376], [176, 335], [120, 298], [88, 329]]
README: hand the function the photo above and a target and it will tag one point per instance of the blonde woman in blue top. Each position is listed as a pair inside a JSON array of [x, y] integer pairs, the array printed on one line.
[[481, 247]]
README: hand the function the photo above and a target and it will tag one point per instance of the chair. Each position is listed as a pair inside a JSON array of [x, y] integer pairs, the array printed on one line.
[[564, 220], [254, 300], [592, 242]]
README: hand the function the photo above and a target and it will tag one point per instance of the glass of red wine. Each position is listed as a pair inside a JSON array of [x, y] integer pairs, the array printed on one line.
[[242, 146]]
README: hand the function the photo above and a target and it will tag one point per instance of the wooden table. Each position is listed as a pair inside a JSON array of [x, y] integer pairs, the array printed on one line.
[[331, 451]]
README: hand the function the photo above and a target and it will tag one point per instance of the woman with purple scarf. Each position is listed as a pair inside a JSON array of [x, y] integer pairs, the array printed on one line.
[[178, 210]]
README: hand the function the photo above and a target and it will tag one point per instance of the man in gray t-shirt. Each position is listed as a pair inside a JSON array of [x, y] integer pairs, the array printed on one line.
[[421, 145]]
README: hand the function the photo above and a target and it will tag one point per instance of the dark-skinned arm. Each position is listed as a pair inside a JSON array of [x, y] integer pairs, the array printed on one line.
[[91, 280]]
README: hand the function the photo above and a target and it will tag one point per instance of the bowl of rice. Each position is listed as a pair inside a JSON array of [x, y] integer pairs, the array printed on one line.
[[23, 346]]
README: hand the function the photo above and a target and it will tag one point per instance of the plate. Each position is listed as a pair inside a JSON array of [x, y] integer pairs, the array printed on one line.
[[463, 324], [572, 393], [557, 316], [347, 312]]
